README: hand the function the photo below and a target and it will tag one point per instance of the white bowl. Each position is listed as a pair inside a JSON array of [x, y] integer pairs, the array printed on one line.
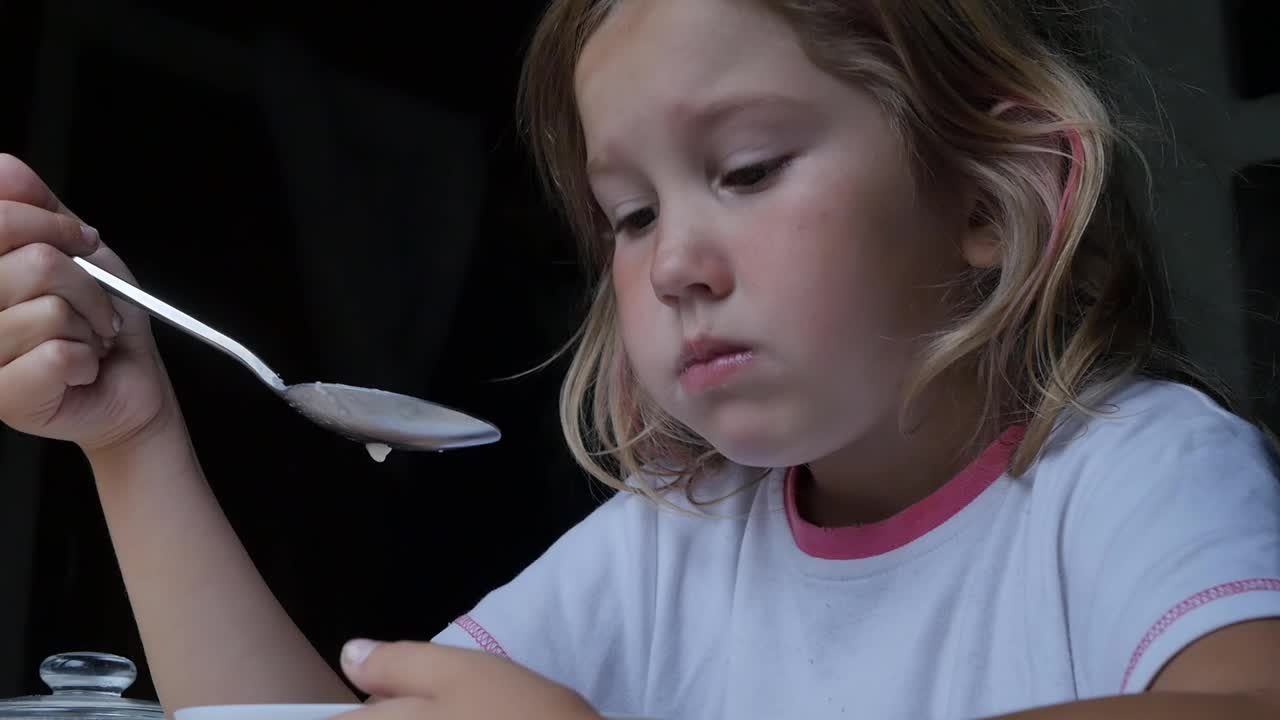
[[284, 711]]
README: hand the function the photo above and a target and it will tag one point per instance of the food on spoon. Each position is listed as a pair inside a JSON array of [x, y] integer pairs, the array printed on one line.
[[378, 451]]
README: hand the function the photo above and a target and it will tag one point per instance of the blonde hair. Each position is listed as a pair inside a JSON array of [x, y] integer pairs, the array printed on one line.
[[984, 91]]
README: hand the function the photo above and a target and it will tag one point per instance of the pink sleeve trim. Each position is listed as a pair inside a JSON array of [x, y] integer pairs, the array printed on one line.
[[1200, 599], [482, 637]]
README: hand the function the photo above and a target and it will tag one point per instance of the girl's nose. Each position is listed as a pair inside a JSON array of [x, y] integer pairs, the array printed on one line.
[[688, 263]]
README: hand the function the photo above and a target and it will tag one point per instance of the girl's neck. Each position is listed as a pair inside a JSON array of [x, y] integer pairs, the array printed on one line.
[[888, 470]]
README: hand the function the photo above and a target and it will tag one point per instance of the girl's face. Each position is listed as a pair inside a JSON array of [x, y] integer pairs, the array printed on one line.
[[775, 264]]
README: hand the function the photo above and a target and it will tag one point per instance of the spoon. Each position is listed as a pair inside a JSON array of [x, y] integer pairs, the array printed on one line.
[[381, 420]]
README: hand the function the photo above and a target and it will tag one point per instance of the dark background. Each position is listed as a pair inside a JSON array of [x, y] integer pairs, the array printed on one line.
[[332, 190], [341, 189]]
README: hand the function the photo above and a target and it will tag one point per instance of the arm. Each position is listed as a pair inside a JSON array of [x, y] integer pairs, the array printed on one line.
[[212, 630], [1231, 673], [77, 366]]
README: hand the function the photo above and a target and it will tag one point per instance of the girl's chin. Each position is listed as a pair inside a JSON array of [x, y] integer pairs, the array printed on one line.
[[756, 444]]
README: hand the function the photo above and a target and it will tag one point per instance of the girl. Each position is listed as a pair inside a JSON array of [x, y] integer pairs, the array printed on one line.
[[877, 363]]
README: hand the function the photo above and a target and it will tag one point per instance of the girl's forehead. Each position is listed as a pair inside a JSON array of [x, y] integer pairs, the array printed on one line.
[[658, 58]]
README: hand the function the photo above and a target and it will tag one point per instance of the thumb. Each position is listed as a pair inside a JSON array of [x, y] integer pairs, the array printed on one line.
[[397, 669], [354, 656]]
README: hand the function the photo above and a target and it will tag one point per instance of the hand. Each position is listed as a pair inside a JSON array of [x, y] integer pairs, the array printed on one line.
[[75, 364], [422, 681]]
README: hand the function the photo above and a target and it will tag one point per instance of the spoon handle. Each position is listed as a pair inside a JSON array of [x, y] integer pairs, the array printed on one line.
[[184, 322]]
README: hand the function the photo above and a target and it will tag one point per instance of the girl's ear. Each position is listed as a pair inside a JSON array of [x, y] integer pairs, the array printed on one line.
[[981, 244]]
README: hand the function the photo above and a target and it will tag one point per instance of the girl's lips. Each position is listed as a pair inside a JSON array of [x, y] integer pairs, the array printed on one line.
[[715, 369], [704, 348]]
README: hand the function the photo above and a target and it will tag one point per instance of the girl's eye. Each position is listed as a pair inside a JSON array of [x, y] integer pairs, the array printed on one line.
[[753, 176], [636, 221]]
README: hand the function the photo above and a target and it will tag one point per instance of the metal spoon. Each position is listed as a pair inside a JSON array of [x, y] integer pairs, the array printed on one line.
[[381, 420]]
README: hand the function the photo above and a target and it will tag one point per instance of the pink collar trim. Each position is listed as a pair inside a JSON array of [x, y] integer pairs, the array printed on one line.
[[864, 541]]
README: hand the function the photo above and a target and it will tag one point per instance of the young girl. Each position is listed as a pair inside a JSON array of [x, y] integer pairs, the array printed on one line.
[[877, 362]]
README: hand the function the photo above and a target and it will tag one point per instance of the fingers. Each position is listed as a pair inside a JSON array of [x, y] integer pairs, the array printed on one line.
[[52, 363], [26, 326], [37, 236], [33, 271], [22, 224], [19, 183], [424, 680], [393, 669], [32, 386]]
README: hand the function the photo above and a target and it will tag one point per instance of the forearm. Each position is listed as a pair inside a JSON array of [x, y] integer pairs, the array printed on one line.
[[1162, 705], [212, 630]]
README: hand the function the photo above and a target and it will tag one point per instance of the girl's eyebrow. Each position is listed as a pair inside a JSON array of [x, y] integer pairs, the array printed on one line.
[[701, 118], [720, 109]]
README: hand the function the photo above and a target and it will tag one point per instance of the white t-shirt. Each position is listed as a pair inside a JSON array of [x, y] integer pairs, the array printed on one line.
[[1135, 534]]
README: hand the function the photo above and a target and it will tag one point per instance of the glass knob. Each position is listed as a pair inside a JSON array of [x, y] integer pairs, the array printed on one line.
[[91, 672]]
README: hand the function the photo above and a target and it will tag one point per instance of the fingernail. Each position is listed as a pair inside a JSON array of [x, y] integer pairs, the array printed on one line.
[[117, 322], [90, 236], [355, 652], [108, 343]]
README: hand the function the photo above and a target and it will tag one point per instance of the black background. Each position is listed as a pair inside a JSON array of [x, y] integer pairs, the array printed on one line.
[[340, 188], [344, 193]]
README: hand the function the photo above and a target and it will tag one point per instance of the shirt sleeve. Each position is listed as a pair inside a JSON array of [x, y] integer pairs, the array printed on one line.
[[1174, 532], [580, 615]]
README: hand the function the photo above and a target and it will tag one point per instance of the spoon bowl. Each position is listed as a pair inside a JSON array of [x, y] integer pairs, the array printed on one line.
[[378, 417]]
